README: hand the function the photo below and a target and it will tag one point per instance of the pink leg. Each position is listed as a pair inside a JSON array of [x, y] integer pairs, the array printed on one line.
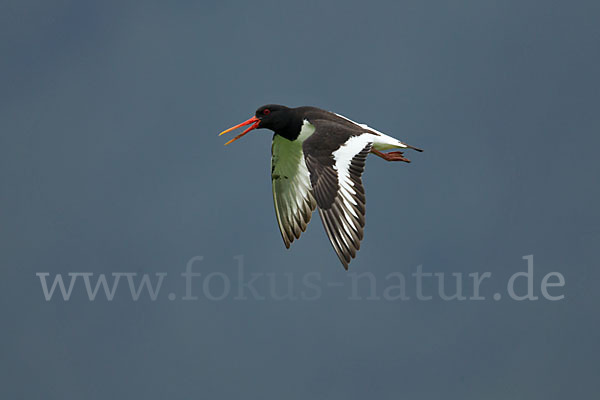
[[391, 156]]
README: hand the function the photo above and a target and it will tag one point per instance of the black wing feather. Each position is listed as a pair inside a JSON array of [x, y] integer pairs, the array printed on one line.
[[341, 206]]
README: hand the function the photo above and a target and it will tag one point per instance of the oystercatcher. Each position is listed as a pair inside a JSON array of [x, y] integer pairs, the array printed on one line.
[[318, 158]]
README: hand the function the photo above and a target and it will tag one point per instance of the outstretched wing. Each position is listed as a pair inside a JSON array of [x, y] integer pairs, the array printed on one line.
[[335, 158], [292, 195]]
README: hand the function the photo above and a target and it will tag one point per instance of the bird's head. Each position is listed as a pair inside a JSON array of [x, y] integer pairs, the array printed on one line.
[[270, 116]]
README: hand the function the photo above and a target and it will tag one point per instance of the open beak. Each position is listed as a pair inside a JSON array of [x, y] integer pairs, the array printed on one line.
[[254, 121]]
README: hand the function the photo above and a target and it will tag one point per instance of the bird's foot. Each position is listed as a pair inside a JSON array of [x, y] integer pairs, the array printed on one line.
[[391, 156]]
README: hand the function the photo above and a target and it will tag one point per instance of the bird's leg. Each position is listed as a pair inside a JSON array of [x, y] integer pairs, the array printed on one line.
[[391, 156]]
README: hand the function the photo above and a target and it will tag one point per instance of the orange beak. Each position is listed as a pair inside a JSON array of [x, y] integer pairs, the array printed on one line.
[[254, 121]]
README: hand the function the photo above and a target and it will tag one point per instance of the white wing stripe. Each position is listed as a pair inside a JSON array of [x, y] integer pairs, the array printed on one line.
[[350, 221], [347, 196], [343, 158]]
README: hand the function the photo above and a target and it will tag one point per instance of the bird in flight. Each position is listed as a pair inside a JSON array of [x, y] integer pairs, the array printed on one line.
[[317, 160]]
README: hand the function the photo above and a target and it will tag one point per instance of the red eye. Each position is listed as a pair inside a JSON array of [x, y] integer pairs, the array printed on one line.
[[266, 111]]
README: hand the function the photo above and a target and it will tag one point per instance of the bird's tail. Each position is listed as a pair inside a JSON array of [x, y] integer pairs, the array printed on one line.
[[412, 147]]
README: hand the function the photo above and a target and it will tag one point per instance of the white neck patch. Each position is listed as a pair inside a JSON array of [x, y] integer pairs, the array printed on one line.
[[306, 131]]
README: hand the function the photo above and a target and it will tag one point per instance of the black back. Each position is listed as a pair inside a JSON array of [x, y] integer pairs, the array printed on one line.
[[287, 122]]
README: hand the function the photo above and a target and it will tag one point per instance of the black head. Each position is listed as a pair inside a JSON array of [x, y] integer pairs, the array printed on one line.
[[280, 119], [273, 116]]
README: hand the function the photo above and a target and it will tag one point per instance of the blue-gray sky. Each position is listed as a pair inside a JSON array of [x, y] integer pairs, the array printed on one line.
[[110, 162]]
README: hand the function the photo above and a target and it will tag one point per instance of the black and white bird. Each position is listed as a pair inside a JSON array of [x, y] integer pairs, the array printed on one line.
[[318, 158]]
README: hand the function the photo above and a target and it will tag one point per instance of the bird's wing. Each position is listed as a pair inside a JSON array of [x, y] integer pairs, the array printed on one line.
[[335, 176], [294, 202]]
